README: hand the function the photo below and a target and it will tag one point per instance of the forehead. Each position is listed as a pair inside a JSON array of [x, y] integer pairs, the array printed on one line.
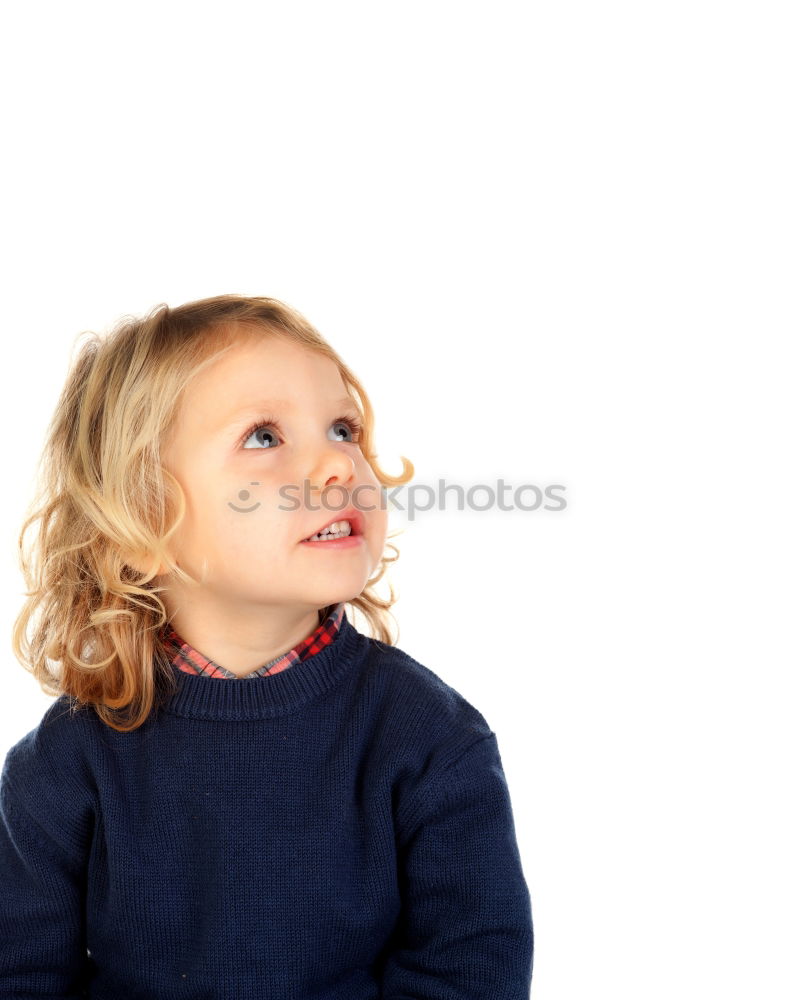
[[262, 354], [255, 371]]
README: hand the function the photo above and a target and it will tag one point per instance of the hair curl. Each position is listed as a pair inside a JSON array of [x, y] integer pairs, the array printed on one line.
[[103, 495]]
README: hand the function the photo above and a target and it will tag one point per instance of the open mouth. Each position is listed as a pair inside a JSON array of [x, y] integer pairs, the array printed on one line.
[[343, 526]]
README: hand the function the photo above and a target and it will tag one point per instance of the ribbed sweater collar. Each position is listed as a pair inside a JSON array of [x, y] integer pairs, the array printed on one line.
[[199, 697]]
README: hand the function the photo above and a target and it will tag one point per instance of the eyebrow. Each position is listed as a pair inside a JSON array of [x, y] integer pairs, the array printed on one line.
[[244, 410]]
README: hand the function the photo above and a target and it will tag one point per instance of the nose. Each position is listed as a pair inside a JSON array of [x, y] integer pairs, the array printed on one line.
[[333, 468]]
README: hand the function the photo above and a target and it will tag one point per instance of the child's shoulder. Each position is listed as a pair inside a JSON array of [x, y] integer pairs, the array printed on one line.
[[425, 698], [46, 781], [54, 746]]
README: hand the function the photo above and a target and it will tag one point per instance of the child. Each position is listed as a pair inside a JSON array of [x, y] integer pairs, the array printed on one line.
[[236, 792]]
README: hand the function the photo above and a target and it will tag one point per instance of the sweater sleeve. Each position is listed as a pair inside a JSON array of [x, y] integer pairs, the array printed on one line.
[[44, 831], [465, 929]]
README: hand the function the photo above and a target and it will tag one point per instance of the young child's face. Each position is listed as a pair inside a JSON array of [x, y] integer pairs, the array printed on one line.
[[248, 552]]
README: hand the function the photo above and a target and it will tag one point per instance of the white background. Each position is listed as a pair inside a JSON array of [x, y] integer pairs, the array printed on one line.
[[555, 242]]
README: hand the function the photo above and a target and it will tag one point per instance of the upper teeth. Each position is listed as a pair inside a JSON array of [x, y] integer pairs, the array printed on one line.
[[337, 528]]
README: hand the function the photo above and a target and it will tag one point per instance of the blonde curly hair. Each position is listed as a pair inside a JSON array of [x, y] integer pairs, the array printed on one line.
[[103, 494]]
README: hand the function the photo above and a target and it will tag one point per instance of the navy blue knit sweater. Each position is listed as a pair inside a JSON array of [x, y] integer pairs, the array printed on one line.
[[341, 830]]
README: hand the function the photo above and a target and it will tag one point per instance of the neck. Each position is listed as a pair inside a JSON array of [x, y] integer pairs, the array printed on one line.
[[238, 642]]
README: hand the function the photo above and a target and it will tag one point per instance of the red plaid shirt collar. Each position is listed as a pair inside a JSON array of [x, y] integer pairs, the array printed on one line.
[[185, 657]]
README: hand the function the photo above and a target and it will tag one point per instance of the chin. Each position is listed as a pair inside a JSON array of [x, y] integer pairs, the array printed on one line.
[[344, 597]]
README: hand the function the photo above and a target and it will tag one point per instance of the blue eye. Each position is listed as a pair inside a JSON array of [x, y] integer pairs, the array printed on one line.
[[354, 428], [261, 432]]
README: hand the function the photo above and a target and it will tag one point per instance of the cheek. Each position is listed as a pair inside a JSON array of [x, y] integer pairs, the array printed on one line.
[[379, 525]]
